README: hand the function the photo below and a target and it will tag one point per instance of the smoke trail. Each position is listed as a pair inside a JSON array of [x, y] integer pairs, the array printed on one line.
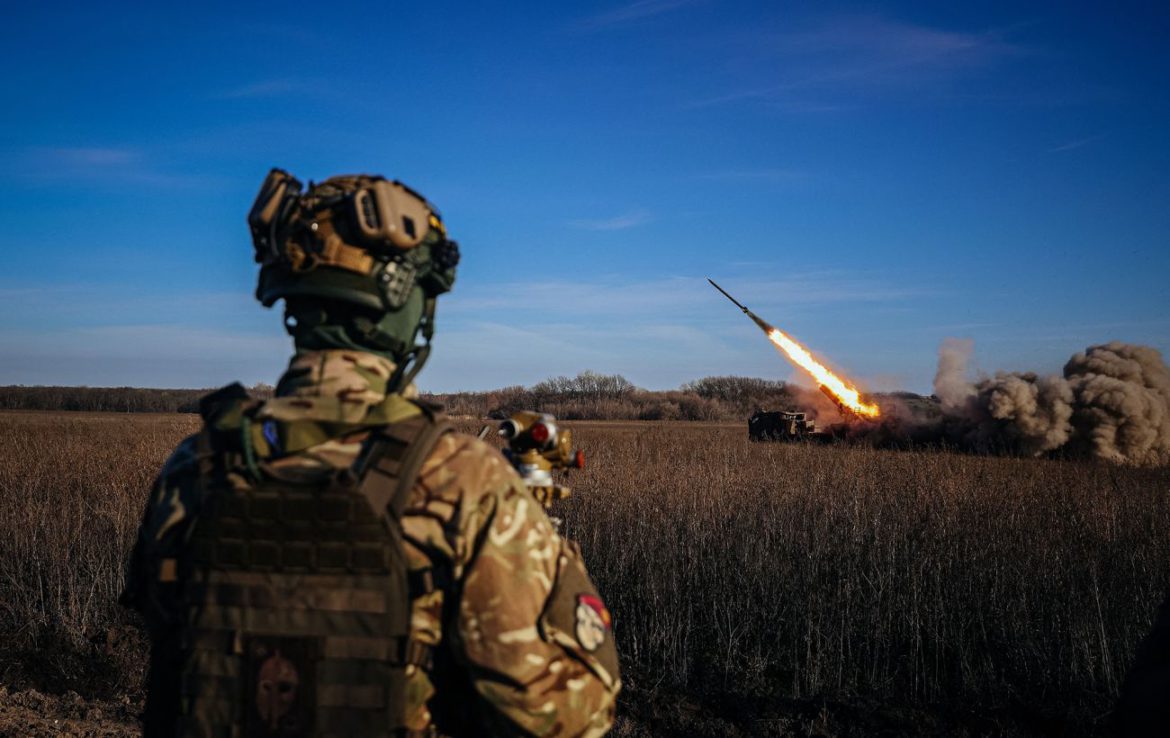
[[1112, 402]]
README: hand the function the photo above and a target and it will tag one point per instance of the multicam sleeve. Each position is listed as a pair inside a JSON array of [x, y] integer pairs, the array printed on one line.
[[169, 509], [535, 635], [151, 584]]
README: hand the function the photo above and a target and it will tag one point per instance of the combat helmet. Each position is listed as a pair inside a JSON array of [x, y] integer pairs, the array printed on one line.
[[359, 261]]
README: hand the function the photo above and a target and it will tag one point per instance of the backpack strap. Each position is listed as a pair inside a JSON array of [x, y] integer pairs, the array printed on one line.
[[389, 469]]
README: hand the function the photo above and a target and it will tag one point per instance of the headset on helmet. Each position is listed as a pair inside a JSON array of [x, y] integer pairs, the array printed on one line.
[[362, 241]]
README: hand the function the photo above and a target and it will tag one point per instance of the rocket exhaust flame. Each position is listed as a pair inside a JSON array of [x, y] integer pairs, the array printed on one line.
[[845, 393], [840, 390]]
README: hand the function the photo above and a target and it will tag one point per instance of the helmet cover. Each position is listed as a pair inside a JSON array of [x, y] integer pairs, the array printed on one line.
[[370, 245]]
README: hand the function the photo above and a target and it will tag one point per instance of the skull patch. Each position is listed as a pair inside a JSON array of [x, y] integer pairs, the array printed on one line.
[[279, 693], [593, 622], [276, 689]]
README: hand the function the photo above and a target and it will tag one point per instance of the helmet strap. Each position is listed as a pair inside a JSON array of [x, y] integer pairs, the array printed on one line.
[[313, 328], [412, 362]]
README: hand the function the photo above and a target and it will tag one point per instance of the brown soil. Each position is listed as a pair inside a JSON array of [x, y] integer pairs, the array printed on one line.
[[31, 714]]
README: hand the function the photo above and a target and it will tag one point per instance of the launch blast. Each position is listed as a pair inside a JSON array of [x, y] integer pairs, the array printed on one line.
[[845, 395]]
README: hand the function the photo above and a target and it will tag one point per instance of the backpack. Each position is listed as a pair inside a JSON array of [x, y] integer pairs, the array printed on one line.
[[297, 595]]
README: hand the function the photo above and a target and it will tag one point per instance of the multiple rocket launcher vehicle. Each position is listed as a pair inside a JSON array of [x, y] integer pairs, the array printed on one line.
[[792, 425], [536, 446]]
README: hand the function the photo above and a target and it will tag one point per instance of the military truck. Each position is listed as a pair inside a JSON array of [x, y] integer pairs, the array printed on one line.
[[782, 425]]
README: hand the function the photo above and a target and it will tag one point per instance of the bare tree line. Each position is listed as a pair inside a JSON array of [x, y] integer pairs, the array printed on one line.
[[108, 399], [592, 396], [587, 396]]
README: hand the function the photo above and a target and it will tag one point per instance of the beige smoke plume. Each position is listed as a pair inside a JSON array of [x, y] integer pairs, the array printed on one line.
[[1123, 402], [951, 385], [1113, 402]]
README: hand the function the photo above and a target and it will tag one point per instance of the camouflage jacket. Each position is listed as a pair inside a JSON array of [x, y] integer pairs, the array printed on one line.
[[523, 643]]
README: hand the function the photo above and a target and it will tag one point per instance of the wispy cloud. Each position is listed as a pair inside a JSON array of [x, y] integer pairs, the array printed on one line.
[[659, 333], [153, 335], [93, 158], [617, 223], [180, 341], [656, 333], [53, 305], [634, 11], [163, 355], [843, 62], [89, 164], [669, 297], [1078, 143]]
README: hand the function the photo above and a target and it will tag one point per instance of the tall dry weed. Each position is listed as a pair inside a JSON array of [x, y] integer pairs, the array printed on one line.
[[72, 489], [921, 578], [733, 569]]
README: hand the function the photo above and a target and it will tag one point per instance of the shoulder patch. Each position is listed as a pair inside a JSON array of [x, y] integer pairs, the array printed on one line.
[[593, 621], [576, 618], [272, 435]]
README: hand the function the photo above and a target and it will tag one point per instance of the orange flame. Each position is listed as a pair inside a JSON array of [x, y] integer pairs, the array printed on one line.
[[847, 394]]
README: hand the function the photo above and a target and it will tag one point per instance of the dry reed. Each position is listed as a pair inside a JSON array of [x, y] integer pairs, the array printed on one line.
[[734, 570]]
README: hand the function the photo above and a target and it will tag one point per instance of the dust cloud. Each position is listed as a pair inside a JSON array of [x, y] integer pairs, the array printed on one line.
[[1111, 402]]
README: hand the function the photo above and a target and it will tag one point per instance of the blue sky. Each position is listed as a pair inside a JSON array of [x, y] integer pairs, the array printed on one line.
[[870, 178]]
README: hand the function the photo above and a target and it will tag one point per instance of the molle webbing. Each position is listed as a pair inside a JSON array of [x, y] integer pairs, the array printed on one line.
[[283, 528], [388, 472], [306, 587]]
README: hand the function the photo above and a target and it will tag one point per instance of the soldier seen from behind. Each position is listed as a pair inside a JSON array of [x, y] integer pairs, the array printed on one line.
[[334, 561]]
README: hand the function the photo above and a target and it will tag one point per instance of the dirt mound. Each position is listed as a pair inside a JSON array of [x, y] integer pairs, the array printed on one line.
[[31, 714]]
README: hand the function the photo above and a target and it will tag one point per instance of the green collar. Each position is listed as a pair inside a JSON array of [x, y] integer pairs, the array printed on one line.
[[324, 395]]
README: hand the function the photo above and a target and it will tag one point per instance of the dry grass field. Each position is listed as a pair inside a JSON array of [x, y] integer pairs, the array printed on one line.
[[757, 589]]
